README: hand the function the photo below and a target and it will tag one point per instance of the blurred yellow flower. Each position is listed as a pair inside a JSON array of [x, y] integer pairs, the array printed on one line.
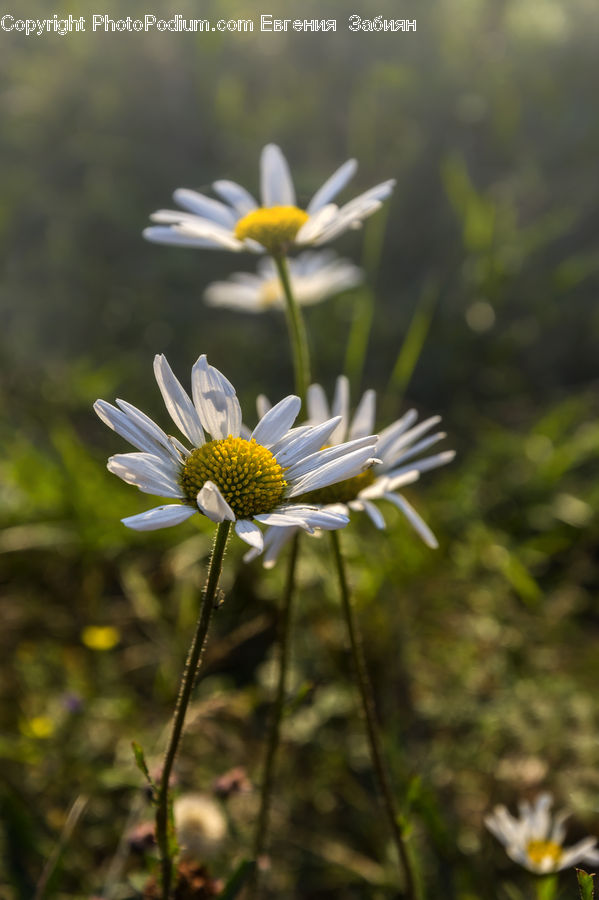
[[100, 637], [39, 727]]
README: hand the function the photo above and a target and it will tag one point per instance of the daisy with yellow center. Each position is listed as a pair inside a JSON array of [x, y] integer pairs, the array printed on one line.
[[314, 276], [535, 839], [234, 476], [276, 224], [397, 450]]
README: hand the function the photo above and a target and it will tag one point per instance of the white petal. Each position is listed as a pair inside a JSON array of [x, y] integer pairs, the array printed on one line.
[[209, 231], [415, 520], [177, 402], [159, 517], [423, 465], [147, 473], [419, 447], [215, 400], [341, 408], [274, 541], [304, 517], [236, 195], [322, 457], [233, 296], [316, 401], [338, 470], [164, 235], [363, 420], [263, 404], [407, 438], [275, 179], [308, 441], [583, 850], [333, 185], [250, 533], [277, 421], [213, 504], [317, 225], [389, 434], [205, 207], [145, 424], [373, 512], [133, 430]]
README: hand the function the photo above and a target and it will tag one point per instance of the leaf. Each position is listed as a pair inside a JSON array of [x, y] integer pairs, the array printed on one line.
[[238, 879], [586, 884], [140, 761]]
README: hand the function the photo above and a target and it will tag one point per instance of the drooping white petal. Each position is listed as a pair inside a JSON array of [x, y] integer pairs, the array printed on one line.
[[374, 513], [250, 533], [236, 195], [276, 185], [147, 473], [215, 400], [415, 520], [159, 517], [205, 207], [213, 504], [338, 470], [363, 420], [583, 851], [274, 541], [180, 408], [277, 421], [316, 401], [332, 186], [341, 408]]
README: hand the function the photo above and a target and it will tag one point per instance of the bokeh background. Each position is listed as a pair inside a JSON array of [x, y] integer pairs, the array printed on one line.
[[480, 304]]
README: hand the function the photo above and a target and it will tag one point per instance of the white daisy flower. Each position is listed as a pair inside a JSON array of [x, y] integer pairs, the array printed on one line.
[[535, 840], [242, 479], [238, 222], [396, 449], [314, 276]]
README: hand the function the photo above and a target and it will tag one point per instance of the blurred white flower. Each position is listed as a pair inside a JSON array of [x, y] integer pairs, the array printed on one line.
[[275, 225], [244, 480], [200, 825], [396, 450], [314, 276], [535, 840]]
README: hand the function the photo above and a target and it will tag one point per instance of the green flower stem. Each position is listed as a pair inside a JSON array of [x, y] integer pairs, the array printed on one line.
[[274, 734], [194, 658], [297, 331], [372, 725], [545, 887]]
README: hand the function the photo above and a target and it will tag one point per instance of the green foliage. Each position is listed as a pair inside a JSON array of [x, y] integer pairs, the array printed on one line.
[[586, 885]]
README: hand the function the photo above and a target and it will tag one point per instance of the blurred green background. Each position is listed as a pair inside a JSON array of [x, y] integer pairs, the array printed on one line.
[[480, 305]]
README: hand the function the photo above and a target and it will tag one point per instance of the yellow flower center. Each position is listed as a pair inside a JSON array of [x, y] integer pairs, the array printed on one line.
[[342, 492], [538, 851], [246, 473], [275, 227]]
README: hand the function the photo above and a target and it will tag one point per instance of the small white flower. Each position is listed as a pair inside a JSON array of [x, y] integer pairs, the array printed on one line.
[[535, 840], [314, 276], [242, 479], [396, 451], [200, 825], [238, 222]]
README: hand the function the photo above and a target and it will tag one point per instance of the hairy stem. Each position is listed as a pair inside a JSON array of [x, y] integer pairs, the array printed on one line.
[[372, 726], [274, 733], [194, 657]]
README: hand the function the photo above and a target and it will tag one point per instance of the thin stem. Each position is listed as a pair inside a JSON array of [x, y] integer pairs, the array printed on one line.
[[297, 331], [372, 725], [274, 734], [185, 690]]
